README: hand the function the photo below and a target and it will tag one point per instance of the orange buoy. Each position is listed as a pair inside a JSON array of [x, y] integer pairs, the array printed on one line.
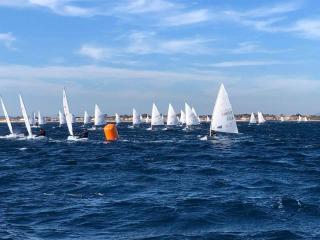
[[111, 132]]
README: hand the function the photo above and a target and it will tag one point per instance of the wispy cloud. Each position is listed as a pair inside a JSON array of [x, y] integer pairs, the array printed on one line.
[[61, 7], [263, 12], [94, 52], [308, 28], [274, 19], [148, 43], [187, 18], [253, 47], [103, 73], [145, 6], [7, 39], [245, 63]]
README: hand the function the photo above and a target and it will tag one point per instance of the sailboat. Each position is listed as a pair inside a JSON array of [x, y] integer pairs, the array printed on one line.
[[252, 119], [69, 118], [98, 117], [191, 118], [196, 116], [86, 118], [282, 119], [141, 118], [261, 118], [25, 118], [172, 117], [305, 119], [33, 120], [7, 120], [182, 117], [40, 119], [299, 119], [148, 119], [156, 118], [117, 119], [135, 118], [223, 119], [62, 119]]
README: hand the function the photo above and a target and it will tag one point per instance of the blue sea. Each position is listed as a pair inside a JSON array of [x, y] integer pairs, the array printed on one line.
[[261, 184]]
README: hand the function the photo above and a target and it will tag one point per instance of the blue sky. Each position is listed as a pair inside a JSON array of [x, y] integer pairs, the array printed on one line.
[[129, 53]]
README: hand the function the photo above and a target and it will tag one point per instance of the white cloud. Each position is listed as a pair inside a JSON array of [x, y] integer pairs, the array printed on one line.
[[61, 7], [145, 6], [7, 39], [187, 18], [245, 63], [96, 72], [148, 43], [94, 52], [308, 28], [263, 12]]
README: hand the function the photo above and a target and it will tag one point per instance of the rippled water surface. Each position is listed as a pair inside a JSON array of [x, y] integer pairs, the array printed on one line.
[[261, 184]]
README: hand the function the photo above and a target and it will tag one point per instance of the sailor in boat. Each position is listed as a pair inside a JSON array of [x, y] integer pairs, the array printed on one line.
[[42, 133], [83, 134], [212, 132]]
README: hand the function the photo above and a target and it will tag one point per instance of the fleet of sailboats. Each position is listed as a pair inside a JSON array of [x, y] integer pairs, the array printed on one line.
[[222, 121]]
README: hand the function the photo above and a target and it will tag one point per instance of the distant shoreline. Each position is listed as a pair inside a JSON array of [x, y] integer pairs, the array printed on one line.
[[128, 118]]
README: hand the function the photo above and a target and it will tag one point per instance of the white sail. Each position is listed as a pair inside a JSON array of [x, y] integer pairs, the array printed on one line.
[[62, 119], [25, 116], [299, 118], [141, 118], [34, 119], [208, 119], [6, 116], [40, 119], [305, 119], [182, 117], [147, 119], [86, 118], [252, 119], [98, 116], [135, 117], [171, 117], [196, 116], [156, 118], [191, 118], [281, 119], [260, 118], [118, 120], [67, 113], [223, 119]]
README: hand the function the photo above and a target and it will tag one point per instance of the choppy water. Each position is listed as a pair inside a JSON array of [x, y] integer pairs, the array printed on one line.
[[261, 184]]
